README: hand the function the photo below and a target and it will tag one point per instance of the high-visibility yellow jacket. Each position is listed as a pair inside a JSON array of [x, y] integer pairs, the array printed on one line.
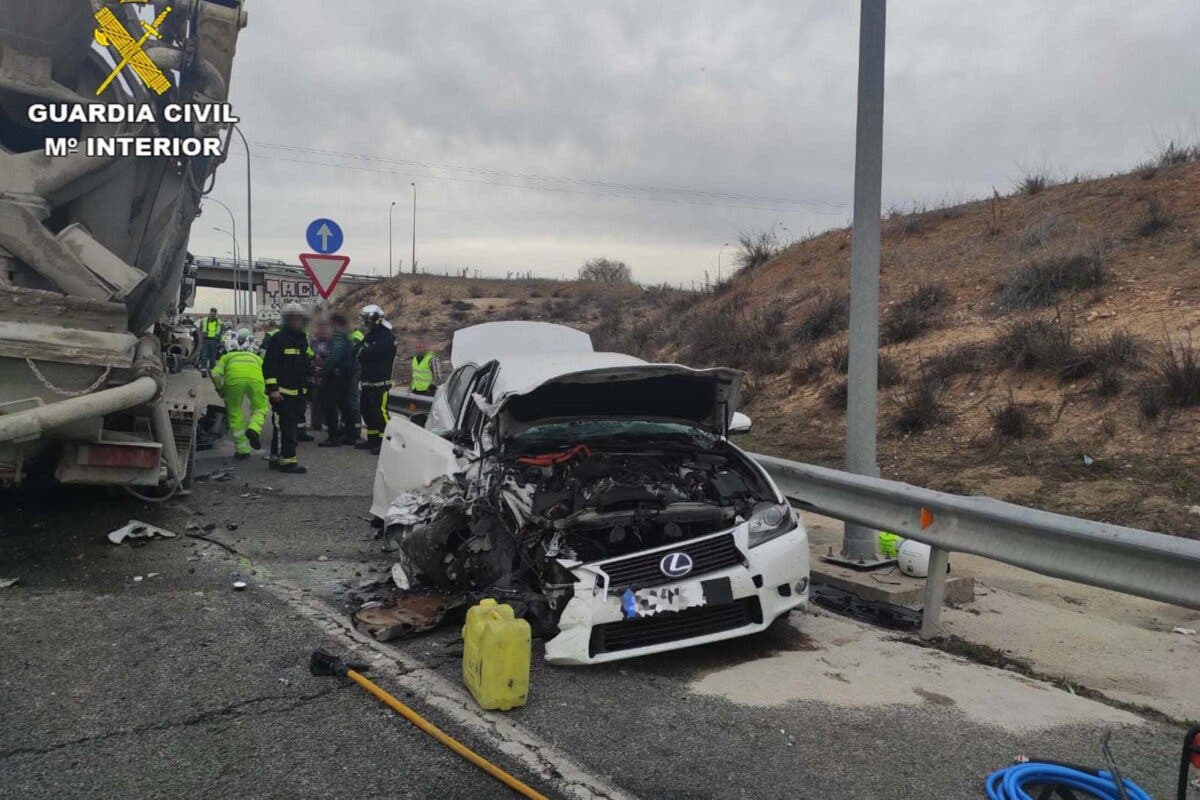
[[211, 327], [422, 372], [237, 365]]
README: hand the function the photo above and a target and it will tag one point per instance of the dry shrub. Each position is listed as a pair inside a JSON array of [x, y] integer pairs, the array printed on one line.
[[915, 313], [920, 407], [1156, 219], [417, 288], [1039, 283], [830, 314], [1013, 420]]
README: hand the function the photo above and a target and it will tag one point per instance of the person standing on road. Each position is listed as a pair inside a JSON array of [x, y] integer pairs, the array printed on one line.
[[426, 369], [210, 339], [319, 344], [238, 376], [377, 356], [335, 396], [287, 371], [352, 387]]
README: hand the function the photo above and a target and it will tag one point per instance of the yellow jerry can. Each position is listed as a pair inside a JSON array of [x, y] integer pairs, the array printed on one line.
[[496, 649]]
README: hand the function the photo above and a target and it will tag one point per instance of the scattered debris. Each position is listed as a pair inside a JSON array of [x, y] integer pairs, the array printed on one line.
[[231, 526], [1088, 460], [137, 578], [7, 582], [407, 613], [153, 574], [239, 585], [138, 530], [218, 475], [1184, 631], [1194, 510], [227, 548]]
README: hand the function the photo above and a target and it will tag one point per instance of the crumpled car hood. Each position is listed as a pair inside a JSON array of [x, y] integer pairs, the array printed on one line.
[[704, 398]]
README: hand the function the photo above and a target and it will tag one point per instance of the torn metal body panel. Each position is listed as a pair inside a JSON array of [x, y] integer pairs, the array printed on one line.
[[603, 496]]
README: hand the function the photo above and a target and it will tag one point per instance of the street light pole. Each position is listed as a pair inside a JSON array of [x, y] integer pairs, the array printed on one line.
[[249, 232], [719, 251], [233, 224], [414, 231], [236, 314], [390, 262], [860, 544]]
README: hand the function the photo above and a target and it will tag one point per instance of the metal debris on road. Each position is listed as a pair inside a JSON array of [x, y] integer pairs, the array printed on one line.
[[219, 475], [239, 585], [134, 530], [7, 582], [1184, 631]]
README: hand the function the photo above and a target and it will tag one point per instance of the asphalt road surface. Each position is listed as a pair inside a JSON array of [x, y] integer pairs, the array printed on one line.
[[140, 672]]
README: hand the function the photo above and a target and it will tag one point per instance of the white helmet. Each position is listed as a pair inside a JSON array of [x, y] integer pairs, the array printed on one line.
[[294, 310], [913, 558], [371, 314], [243, 335]]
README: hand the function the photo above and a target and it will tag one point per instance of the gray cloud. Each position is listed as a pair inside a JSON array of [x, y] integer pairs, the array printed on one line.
[[735, 98]]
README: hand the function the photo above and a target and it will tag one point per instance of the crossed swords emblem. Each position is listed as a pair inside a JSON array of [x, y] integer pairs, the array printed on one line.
[[111, 33]]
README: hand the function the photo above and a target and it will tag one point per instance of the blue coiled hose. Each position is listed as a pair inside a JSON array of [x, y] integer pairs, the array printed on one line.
[[1005, 784]]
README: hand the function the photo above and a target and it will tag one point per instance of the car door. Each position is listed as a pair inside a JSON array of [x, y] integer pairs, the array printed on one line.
[[443, 415]]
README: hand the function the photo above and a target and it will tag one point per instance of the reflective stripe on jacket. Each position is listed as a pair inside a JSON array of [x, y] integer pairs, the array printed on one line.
[[237, 365]]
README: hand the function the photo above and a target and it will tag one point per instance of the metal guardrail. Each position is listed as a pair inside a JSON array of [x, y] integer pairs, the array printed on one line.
[[408, 403], [1128, 560]]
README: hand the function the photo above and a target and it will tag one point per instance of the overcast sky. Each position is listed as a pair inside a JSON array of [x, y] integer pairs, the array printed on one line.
[[540, 134]]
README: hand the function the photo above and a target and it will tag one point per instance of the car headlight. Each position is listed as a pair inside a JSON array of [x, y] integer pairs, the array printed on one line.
[[769, 521]]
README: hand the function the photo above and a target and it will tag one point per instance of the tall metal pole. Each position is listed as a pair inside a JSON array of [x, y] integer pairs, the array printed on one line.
[[390, 262], [860, 544], [233, 224], [249, 231], [414, 231]]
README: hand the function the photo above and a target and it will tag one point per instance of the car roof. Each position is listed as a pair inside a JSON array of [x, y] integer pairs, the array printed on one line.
[[487, 341]]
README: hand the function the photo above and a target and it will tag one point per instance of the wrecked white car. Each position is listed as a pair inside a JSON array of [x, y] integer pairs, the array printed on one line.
[[598, 493]]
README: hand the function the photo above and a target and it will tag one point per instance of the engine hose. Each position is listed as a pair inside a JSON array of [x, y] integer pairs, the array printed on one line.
[[1008, 783]]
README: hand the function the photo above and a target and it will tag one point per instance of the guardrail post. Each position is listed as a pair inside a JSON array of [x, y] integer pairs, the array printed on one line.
[[935, 591]]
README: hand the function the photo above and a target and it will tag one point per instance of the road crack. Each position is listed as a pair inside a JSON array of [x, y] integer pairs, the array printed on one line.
[[242, 708]]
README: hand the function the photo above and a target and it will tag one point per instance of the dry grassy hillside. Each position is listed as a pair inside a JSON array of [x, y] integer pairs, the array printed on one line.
[[1036, 347]]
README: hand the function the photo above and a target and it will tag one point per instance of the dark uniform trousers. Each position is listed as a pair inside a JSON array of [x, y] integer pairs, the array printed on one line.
[[285, 421]]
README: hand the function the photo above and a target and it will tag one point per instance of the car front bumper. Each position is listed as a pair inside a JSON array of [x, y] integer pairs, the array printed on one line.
[[599, 625]]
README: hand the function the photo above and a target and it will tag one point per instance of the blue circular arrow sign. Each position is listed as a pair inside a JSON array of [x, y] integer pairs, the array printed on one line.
[[324, 236]]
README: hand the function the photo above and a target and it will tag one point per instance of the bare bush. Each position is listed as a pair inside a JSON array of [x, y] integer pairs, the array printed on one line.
[[1013, 420], [961, 359], [915, 313], [1036, 344], [804, 369], [756, 249], [417, 288], [606, 270], [1173, 153], [1177, 368], [1037, 234], [1034, 181], [1039, 283], [835, 396], [920, 407], [1156, 219], [830, 314]]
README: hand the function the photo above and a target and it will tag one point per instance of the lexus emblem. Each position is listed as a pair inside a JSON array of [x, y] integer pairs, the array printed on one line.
[[675, 565]]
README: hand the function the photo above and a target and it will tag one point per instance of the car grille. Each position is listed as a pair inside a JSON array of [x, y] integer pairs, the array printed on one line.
[[674, 626], [636, 572]]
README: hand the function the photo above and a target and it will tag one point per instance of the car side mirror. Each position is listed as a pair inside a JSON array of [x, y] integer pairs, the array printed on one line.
[[739, 424]]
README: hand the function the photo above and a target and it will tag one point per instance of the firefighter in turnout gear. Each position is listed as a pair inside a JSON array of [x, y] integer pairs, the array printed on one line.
[[286, 368], [375, 358], [238, 376]]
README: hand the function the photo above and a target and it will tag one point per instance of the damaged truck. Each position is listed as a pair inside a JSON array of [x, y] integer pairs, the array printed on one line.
[[598, 493], [94, 268]]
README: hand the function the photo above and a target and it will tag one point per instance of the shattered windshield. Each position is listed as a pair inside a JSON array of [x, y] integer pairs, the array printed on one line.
[[557, 434]]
